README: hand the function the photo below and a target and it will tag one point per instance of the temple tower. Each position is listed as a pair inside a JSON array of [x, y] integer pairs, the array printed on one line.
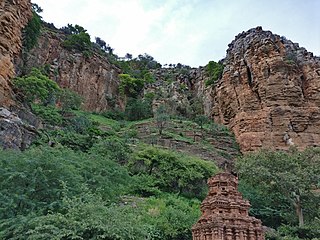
[[225, 213]]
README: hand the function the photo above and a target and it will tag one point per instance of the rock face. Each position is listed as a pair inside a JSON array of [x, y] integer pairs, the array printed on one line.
[[225, 213], [16, 133], [14, 15], [92, 77], [182, 90], [269, 94], [17, 126]]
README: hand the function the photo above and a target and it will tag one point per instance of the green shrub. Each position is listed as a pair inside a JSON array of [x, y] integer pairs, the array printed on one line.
[[138, 109], [32, 32], [78, 39], [214, 71], [36, 87], [116, 114], [69, 100], [173, 172], [48, 114], [129, 86], [113, 148]]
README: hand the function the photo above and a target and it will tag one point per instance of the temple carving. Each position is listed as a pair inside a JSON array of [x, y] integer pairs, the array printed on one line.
[[225, 214]]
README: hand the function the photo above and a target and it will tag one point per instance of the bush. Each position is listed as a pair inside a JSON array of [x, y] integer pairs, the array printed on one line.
[[36, 87], [172, 172], [32, 32], [78, 39], [116, 114], [129, 86], [138, 109], [48, 114], [214, 71], [69, 100]]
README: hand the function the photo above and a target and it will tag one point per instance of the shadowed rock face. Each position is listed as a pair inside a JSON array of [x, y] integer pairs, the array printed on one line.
[[93, 77], [269, 94], [14, 15]]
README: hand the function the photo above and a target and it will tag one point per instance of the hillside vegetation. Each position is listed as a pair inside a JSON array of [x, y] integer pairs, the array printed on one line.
[[139, 171]]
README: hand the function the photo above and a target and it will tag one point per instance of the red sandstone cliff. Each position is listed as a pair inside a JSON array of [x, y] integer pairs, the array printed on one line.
[[269, 94], [92, 77], [14, 15]]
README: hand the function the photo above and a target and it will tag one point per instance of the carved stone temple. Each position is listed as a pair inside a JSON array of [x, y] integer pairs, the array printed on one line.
[[225, 213]]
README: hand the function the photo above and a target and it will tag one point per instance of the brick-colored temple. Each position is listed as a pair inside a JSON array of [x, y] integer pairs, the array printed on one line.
[[225, 213]]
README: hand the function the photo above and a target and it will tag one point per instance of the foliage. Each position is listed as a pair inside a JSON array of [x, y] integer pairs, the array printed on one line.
[[292, 177], [37, 179], [69, 100], [129, 86], [115, 114], [138, 109], [48, 114], [78, 39], [171, 217], [36, 87], [113, 148], [201, 120], [161, 118], [32, 32], [214, 71], [172, 172]]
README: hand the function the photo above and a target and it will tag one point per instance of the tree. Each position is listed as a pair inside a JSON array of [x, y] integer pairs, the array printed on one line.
[[102, 44], [214, 71], [32, 31], [161, 118], [129, 86], [36, 87], [138, 109], [201, 120], [293, 175], [171, 172], [128, 56], [77, 39]]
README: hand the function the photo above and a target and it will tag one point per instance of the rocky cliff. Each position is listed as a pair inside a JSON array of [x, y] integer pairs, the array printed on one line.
[[93, 77], [269, 94], [14, 15], [17, 126]]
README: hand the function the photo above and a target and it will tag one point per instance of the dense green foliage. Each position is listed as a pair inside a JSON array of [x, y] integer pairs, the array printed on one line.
[[171, 172], [77, 39], [32, 32], [69, 100], [130, 86], [56, 193], [214, 70], [282, 188], [36, 87]]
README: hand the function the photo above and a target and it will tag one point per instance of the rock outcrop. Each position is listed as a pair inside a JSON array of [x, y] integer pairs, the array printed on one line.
[[14, 15], [93, 77], [269, 94], [225, 213], [17, 128]]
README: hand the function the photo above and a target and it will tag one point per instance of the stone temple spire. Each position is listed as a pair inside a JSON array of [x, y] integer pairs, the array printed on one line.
[[225, 213]]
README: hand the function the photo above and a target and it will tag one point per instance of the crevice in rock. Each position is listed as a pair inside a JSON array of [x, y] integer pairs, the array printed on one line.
[[302, 78], [237, 97], [249, 75]]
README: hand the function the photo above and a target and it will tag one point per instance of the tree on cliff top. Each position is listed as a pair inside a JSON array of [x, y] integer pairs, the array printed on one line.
[[293, 175], [77, 39]]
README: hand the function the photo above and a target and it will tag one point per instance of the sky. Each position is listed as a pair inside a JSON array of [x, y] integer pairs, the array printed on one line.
[[191, 32]]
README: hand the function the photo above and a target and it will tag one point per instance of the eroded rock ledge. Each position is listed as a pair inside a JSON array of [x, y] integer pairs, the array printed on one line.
[[269, 94]]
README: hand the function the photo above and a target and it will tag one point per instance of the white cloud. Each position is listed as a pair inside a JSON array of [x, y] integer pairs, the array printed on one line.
[[187, 31]]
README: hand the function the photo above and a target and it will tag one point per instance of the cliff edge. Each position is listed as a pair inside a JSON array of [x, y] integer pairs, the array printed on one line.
[[269, 94]]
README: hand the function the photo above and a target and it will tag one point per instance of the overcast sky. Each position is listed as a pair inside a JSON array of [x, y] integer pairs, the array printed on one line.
[[191, 32]]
